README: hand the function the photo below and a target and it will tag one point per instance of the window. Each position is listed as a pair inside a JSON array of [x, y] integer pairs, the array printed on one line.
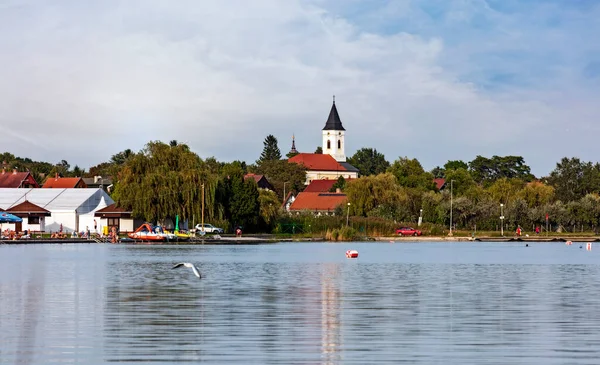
[[339, 144], [33, 220], [328, 144], [113, 222]]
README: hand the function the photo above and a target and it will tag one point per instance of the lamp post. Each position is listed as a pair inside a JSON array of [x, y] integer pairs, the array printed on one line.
[[420, 218], [348, 214], [284, 192], [502, 219], [451, 186]]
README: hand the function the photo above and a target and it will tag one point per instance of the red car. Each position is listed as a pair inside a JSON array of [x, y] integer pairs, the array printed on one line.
[[408, 231]]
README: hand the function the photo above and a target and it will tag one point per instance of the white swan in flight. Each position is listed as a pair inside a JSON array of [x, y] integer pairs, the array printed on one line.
[[191, 266]]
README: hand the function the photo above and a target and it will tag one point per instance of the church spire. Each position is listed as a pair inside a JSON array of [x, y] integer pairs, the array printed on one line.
[[333, 122], [293, 150]]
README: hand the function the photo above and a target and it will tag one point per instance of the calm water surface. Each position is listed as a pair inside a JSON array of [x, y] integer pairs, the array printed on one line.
[[301, 303]]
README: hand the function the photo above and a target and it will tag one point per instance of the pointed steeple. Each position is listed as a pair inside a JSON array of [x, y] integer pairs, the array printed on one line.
[[333, 122], [293, 150]]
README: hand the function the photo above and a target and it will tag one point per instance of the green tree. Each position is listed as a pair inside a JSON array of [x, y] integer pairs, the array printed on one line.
[[463, 181], [269, 205], [487, 170], [282, 172], [270, 150], [455, 165], [572, 179], [536, 194], [339, 184], [369, 162], [243, 202], [163, 181], [319, 150], [375, 195], [410, 174]]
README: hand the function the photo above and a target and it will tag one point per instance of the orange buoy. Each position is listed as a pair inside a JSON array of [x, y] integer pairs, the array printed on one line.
[[351, 254], [568, 243], [588, 246]]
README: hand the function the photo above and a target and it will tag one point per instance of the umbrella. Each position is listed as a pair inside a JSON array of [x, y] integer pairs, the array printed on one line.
[[9, 218]]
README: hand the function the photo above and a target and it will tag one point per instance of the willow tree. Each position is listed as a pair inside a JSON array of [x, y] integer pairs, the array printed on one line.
[[375, 195], [163, 181]]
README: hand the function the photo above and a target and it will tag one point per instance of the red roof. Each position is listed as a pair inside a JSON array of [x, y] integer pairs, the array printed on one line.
[[27, 207], [439, 182], [321, 186], [64, 182], [318, 201], [317, 161], [17, 180], [253, 176]]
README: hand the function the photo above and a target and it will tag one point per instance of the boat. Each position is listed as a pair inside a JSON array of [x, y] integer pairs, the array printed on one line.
[[148, 232]]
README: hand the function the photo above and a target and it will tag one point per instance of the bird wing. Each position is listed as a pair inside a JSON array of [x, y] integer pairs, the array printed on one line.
[[196, 271], [178, 265]]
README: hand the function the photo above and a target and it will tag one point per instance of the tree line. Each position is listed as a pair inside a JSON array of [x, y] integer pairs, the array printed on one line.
[[167, 179]]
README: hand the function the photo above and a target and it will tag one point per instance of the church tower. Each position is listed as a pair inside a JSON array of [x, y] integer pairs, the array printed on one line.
[[333, 136]]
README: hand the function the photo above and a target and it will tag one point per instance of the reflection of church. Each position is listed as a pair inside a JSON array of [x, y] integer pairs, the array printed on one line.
[[331, 164]]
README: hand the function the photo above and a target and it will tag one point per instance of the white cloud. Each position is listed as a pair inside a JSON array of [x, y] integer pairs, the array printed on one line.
[[82, 81]]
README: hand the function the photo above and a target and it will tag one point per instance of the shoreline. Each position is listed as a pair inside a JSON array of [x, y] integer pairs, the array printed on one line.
[[264, 239]]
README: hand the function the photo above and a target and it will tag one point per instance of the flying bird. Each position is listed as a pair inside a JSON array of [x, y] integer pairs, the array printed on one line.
[[191, 266]]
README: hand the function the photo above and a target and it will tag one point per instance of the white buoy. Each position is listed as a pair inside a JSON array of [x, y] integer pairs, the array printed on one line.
[[351, 254]]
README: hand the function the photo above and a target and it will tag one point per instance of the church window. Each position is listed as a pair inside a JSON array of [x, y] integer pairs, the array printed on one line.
[[328, 144], [339, 145]]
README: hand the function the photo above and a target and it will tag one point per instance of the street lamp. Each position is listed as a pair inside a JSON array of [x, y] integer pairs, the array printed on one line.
[[420, 218], [451, 183], [348, 215], [502, 219], [284, 192]]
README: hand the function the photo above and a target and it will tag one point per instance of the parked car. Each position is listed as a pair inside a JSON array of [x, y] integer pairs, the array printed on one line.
[[208, 228], [408, 231]]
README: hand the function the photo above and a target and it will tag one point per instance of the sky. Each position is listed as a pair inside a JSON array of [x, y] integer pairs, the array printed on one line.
[[434, 80]]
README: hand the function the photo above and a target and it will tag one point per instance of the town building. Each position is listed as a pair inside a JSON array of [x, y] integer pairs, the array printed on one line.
[[331, 164], [117, 217], [101, 182], [261, 181], [17, 179], [50, 209], [58, 182]]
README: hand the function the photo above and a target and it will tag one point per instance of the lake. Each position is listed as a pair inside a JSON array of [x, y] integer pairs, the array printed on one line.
[[301, 303]]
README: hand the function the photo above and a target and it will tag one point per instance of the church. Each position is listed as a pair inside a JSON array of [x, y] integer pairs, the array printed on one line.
[[331, 164], [323, 170]]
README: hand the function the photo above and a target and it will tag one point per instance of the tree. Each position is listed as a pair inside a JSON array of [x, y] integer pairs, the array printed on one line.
[[486, 170], [163, 181], [319, 150], [376, 195], [280, 172], [269, 205], [339, 184], [270, 150], [572, 179], [243, 202], [536, 194], [410, 174], [462, 181], [369, 162], [455, 165]]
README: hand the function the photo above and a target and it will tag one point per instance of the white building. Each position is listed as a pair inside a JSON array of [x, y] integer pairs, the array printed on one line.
[[74, 208]]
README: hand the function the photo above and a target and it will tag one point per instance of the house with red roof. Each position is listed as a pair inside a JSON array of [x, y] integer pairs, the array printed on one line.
[[319, 203], [17, 179], [58, 182], [320, 186], [331, 164], [34, 216]]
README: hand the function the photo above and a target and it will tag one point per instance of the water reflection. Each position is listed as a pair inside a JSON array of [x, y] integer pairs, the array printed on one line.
[[300, 303]]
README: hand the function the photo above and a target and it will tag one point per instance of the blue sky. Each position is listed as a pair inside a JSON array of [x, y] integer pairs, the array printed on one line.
[[434, 80]]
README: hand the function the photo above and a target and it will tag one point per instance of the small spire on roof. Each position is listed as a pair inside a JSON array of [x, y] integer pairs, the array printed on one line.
[[293, 150], [334, 98]]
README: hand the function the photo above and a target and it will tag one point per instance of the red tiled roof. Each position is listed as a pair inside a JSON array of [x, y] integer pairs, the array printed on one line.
[[318, 201], [64, 182], [27, 207], [439, 182], [316, 161], [321, 186], [15, 179], [253, 176]]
